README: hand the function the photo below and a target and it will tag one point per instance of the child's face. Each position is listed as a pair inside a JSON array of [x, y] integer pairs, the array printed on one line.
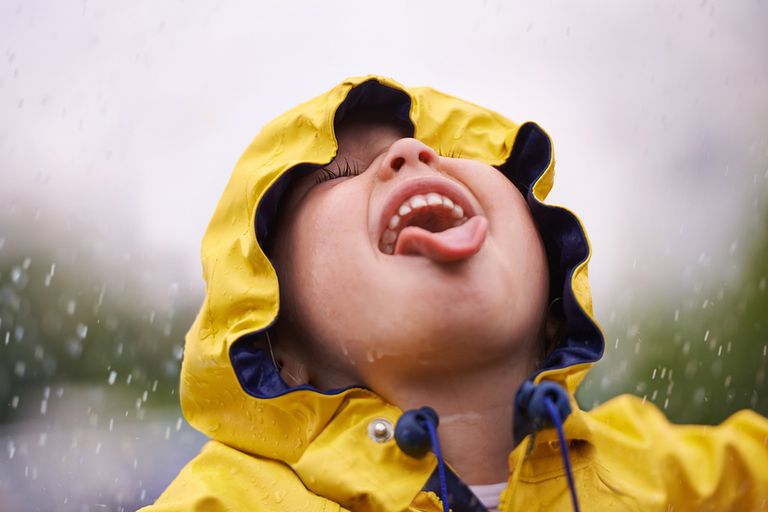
[[358, 308]]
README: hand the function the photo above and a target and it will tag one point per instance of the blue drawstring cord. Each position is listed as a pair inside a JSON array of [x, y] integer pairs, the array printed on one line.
[[440, 464], [554, 414]]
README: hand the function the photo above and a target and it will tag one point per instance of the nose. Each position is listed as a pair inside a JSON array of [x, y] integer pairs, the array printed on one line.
[[408, 153]]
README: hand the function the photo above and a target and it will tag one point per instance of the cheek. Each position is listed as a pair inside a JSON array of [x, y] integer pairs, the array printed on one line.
[[519, 245], [327, 252]]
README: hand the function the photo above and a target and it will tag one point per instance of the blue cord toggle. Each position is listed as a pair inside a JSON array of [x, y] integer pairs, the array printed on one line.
[[531, 414], [411, 433], [416, 434]]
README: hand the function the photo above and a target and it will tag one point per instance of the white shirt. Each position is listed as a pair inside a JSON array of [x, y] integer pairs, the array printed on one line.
[[489, 494]]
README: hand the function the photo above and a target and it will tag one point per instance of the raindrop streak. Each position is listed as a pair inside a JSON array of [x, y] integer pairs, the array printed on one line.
[[112, 377], [50, 275]]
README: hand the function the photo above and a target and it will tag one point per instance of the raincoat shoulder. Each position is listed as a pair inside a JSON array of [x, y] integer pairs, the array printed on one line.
[[626, 456], [640, 455]]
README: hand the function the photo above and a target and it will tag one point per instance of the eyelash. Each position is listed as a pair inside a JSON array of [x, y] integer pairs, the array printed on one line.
[[326, 174]]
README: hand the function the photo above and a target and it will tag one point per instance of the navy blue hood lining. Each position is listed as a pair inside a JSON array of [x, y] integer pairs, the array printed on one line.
[[563, 237], [566, 246]]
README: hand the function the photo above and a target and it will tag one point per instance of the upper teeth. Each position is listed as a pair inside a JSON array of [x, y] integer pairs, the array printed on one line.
[[415, 203]]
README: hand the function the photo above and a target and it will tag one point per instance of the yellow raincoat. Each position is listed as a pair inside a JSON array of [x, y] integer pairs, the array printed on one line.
[[300, 449]]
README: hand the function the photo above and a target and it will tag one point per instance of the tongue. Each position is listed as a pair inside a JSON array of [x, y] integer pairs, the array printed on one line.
[[453, 244]]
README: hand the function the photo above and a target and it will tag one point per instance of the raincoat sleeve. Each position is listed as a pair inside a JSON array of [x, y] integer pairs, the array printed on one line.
[[221, 478], [696, 467]]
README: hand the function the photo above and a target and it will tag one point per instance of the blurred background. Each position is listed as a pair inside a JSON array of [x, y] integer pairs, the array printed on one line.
[[121, 121]]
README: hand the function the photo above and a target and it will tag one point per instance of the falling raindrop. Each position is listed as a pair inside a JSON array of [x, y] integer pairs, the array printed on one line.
[[112, 377], [81, 330], [74, 347], [19, 277]]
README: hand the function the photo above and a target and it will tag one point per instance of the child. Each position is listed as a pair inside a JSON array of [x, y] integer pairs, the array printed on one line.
[[435, 321]]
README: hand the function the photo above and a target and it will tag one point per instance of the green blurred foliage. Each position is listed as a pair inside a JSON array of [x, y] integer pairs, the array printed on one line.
[[703, 359], [69, 316]]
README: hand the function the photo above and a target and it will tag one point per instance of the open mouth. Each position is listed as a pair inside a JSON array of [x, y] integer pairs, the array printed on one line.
[[432, 218], [433, 212]]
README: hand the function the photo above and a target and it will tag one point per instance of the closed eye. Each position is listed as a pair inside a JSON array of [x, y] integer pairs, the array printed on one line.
[[326, 173]]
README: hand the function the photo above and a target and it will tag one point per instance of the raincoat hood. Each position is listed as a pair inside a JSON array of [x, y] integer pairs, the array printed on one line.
[[230, 388]]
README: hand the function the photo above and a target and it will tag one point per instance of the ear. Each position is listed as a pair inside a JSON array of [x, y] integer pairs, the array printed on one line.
[[293, 371], [292, 368]]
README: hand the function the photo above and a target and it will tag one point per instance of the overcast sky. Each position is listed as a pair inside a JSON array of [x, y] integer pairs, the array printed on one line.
[[121, 121]]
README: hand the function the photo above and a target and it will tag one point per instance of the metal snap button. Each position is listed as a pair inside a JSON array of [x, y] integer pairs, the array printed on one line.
[[380, 430]]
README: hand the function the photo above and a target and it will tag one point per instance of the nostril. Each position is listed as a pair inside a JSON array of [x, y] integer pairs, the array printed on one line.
[[397, 163], [425, 157]]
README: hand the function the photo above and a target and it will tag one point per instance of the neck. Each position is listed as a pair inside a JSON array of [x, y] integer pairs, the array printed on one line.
[[476, 416]]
